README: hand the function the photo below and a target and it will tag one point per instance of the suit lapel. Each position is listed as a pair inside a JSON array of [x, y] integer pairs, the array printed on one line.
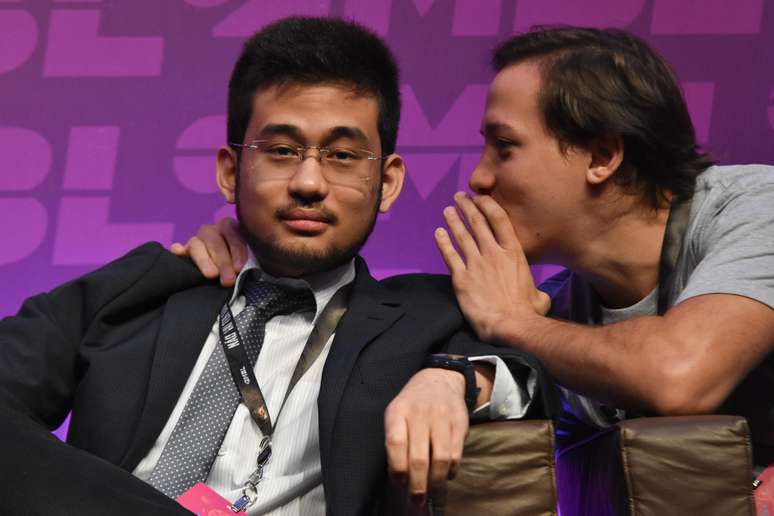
[[185, 325], [372, 310]]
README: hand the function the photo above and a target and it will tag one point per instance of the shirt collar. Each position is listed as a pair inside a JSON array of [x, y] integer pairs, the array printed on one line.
[[322, 284]]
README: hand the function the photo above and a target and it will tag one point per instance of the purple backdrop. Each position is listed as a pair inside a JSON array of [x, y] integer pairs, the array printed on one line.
[[110, 111]]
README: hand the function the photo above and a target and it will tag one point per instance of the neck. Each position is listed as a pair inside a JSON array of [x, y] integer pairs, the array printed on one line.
[[621, 261], [318, 279]]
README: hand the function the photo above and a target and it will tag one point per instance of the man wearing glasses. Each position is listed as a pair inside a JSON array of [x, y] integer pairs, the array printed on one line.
[[273, 393]]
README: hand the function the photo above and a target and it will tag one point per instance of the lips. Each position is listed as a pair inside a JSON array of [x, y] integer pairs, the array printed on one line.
[[306, 221], [307, 214]]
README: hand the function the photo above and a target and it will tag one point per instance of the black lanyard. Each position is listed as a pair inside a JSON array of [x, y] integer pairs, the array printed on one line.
[[242, 370], [244, 378], [674, 234], [671, 248]]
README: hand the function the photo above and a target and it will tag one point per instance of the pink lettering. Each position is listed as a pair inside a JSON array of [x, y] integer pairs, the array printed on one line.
[[600, 13], [253, 14], [476, 18], [374, 15], [85, 237], [205, 3], [18, 38], [426, 170], [208, 132], [707, 17], [458, 126], [76, 50], [197, 172], [26, 159], [91, 158], [23, 224]]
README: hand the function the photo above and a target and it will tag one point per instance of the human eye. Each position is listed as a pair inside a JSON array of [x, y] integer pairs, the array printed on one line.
[[279, 151], [503, 147], [343, 156]]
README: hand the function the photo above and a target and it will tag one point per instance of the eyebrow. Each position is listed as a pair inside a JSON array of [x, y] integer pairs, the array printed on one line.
[[493, 127], [295, 132], [343, 131], [281, 130]]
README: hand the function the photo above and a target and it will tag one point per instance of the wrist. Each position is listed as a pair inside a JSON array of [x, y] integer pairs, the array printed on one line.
[[513, 331], [462, 369], [485, 375]]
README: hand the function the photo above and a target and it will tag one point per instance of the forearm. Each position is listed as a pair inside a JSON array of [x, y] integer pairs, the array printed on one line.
[[631, 365]]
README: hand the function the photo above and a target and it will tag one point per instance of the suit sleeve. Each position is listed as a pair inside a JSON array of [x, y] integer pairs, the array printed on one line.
[[529, 376], [39, 371]]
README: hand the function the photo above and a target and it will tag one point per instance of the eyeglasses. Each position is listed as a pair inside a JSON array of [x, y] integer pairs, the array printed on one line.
[[278, 159]]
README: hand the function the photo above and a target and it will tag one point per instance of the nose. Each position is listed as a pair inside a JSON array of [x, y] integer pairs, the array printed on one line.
[[482, 180], [308, 182]]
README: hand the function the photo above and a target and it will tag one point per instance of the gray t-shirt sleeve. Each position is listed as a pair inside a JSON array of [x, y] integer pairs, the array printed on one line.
[[732, 243]]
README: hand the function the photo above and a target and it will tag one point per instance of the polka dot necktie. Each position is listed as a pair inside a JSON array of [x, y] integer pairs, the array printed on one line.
[[197, 437]]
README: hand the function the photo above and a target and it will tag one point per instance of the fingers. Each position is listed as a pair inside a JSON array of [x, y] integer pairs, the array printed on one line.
[[462, 237], [178, 249], [396, 443], [215, 246], [440, 454], [498, 221], [425, 428], [476, 220], [418, 460], [197, 251], [448, 253], [459, 431], [217, 250], [229, 229]]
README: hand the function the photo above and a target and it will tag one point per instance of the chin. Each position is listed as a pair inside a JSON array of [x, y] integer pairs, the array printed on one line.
[[300, 259]]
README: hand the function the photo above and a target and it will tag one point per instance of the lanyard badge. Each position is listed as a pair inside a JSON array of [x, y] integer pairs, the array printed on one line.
[[250, 391], [250, 489]]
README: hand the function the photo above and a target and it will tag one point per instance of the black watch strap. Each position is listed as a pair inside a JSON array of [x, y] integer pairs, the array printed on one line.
[[461, 364]]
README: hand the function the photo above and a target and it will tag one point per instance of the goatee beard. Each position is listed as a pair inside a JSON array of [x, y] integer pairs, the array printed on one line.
[[300, 259]]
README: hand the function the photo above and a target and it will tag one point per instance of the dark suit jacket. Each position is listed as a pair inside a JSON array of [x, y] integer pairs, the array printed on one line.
[[117, 346]]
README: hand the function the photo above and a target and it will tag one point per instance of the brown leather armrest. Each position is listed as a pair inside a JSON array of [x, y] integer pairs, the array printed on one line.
[[660, 466], [507, 469]]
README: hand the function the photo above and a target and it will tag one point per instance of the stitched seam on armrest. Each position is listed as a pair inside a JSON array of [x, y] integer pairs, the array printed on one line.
[[625, 463], [750, 465], [552, 467]]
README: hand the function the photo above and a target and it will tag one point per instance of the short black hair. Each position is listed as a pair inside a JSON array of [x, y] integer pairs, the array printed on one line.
[[304, 50], [606, 82]]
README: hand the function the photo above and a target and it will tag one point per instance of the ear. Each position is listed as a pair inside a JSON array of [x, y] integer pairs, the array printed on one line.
[[606, 155], [226, 166], [392, 181]]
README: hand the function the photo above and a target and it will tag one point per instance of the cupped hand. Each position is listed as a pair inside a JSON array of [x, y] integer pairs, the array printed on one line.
[[491, 277]]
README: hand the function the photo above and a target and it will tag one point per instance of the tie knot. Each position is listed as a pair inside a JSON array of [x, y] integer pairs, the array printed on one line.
[[273, 299]]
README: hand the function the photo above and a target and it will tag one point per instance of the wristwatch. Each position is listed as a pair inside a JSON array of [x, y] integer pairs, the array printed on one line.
[[461, 364]]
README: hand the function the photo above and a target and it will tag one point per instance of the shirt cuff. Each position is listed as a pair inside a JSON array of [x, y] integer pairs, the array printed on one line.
[[511, 396]]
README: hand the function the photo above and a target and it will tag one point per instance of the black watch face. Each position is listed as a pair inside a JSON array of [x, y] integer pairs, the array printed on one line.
[[449, 356]]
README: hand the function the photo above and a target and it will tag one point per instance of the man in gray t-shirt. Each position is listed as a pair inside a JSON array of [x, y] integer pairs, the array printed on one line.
[[728, 248], [589, 154]]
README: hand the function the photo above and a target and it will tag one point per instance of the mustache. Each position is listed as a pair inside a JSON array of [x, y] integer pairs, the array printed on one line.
[[327, 215]]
